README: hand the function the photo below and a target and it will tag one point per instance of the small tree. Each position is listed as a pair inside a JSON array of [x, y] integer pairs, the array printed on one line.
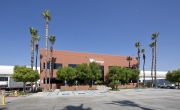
[[114, 76], [66, 73], [24, 74], [173, 76], [135, 75], [83, 71], [95, 71]]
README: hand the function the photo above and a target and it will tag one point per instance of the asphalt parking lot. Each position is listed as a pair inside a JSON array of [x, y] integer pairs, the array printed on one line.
[[130, 99]]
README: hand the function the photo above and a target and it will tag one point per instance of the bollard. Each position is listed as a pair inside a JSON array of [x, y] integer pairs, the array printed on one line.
[[3, 100], [15, 93], [3, 97]]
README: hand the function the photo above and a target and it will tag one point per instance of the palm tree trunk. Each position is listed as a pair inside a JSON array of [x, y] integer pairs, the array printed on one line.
[[155, 62], [24, 86], [144, 72], [138, 65], [46, 55], [32, 54], [152, 66], [36, 62], [50, 65]]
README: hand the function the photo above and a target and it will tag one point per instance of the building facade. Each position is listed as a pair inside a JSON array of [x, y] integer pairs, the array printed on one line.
[[68, 58]]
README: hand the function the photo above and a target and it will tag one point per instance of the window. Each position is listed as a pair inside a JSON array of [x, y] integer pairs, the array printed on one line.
[[57, 65], [112, 66], [48, 64], [102, 71], [53, 81], [72, 65], [53, 65], [3, 78]]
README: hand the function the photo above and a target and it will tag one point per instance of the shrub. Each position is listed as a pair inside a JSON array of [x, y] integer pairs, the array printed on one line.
[[22, 93], [149, 84], [7, 95], [39, 89]]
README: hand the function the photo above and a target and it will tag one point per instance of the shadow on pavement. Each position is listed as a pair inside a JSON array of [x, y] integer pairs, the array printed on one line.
[[129, 103], [3, 108], [70, 107]]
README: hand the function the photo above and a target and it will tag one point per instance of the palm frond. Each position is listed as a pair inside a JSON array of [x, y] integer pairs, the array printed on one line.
[[52, 39], [143, 50], [37, 38], [152, 44], [155, 35], [33, 31], [47, 15], [137, 44]]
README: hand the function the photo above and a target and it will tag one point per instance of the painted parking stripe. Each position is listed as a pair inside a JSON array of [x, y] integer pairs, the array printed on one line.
[[65, 94], [49, 93], [57, 93]]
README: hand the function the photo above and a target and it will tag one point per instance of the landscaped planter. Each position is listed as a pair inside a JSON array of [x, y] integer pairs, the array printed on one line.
[[130, 85]]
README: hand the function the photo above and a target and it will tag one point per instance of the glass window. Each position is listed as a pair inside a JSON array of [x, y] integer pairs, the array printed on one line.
[[57, 65], [102, 71], [112, 66], [72, 65], [47, 65], [3, 78]]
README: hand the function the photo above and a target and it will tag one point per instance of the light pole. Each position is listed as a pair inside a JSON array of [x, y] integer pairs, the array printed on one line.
[[10, 83], [76, 84], [65, 84], [92, 83]]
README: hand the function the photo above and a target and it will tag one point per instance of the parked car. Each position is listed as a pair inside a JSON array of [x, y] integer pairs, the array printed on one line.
[[168, 86]]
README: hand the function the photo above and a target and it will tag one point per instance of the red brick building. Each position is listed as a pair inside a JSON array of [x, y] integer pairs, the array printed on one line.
[[70, 58]]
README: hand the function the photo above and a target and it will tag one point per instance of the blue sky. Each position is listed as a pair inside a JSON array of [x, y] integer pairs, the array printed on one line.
[[97, 26]]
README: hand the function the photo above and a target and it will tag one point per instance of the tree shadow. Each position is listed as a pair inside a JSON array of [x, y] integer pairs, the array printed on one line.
[[3, 108], [70, 107], [129, 103]]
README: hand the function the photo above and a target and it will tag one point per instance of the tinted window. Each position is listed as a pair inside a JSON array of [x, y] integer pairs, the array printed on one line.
[[102, 71], [72, 65], [112, 66], [48, 64], [57, 65], [53, 65], [3, 78]]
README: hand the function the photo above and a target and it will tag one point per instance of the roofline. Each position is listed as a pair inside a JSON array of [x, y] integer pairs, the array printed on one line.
[[87, 53]]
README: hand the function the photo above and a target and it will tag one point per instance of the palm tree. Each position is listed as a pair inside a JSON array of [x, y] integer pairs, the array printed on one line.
[[144, 58], [33, 33], [36, 38], [129, 58], [52, 39], [138, 45], [47, 16], [152, 46], [154, 37]]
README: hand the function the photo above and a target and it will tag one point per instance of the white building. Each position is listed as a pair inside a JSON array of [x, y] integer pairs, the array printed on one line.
[[160, 76], [5, 77]]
